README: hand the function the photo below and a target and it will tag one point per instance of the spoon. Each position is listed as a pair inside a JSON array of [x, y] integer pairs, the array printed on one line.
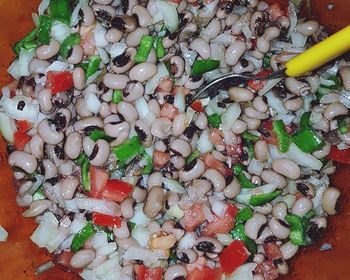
[[311, 59]]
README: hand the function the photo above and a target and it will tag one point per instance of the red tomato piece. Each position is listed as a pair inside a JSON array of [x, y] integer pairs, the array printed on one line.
[[168, 111], [221, 225], [117, 190], [205, 273], [216, 137], [211, 162], [23, 125], [160, 159], [267, 270], [271, 251], [277, 10], [257, 85], [233, 256], [193, 217], [144, 273], [59, 81], [342, 156], [197, 106], [106, 221], [20, 139], [98, 178]]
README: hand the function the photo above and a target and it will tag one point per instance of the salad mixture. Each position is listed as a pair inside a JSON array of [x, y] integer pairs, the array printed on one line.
[[128, 177]]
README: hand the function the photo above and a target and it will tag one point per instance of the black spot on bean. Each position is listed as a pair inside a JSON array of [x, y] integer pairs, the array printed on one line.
[[125, 5], [183, 257], [303, 188], [178, 226], [283, 223], [229, 7], [190, 130], [244, 156], [188, 99], [90, 129], [221, 104], [104, 17], [141, 133], [10, 149], [94, 152], [270, 239], [196, 78], [169, 98], [180, 278], [264, 132], [118, 23], [205, 246], [88, 216], [53, 181], [314, 232], [60, 121], [229, 179], [80, 16], [31, 82], [244, 63], [121, 60], [20, 105], [20, 82], [59, 152], [278, 261], [70, 51]]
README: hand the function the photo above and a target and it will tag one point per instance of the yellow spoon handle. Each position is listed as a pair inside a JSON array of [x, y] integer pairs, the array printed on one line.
[[320, 54]]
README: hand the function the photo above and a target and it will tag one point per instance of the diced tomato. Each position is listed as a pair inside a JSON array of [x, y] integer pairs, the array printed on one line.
[[199, 263], [20, 139], [277, 10], [211, 162], [98, 179], [160, 159], [59, 81], [221, 225], [197, 106], [193, 217], [233, 256], [144, 273], [117, 190], [87, 39], [23, 125], [235, 150], [168, 111], [205, 273], [342, 156], [267, 270], [272, 251], [257, 85], [216, 137], [106, 221]]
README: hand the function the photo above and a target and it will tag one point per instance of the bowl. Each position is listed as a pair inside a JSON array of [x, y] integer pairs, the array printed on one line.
[[19, 256]]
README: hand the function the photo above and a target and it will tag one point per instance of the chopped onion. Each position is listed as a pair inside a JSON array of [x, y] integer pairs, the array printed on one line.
[[93, 78], [175, 212], [57, 66], [243, 272], [166, 11], [152, 83], [59, 31], [187, 241], [104, 55], [269, 85], [7, 127], [61, 235], [137, 253], [218, 207], [204, 145], [345, 98], [173, 185], [142, 107], [117, 49], [320, 185], [298, 39], [293, 19], [43, 7], [289, 199], [74, 20], [78, 223], [13, 69], [44, 267], [99, 34], [24, 59], [287, 119], [255, 167], [188, 55], [139, 217], [39, 180], [207, 213], [212, 107], [93, 104], [106, 207], [46, 231], [29, 112], [275, 103], [179, 101], [231, 114], [108, 270], [141, 235], [3, 234], [106, 249], [224, 239]]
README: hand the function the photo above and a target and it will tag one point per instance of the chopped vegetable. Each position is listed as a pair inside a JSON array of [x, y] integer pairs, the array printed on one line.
[[197, 106], [242, 178], [214, 120], [282, 136], [144, 49], [117, 96], [106, 221], [305, 120], [298, 227], [195, 154], [44, 29], [28, 42], [343, 126], [266, 62], [261, 199], [82, 236], [342, 156], [93, 66], [308, 141], [117, 190], [244, 215], [128, 150], [20, 139], [199, 67], [149, 163], [233, 256], [68, 44], [144, 273], [59, 81], [99, 134], [249, 136], [335, 83], [85, 181], [160, 50], [238, 233], [60, 10], [82, 157]]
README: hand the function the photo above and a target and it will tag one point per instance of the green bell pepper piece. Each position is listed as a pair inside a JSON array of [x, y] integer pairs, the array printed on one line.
[[60, 10], [128, 150], [297, 234], [160, 50], [343, 126], [117, 96], [243, 215], [243, 180], [305, 120], [308, 141], [82, 157], [68, 44], [249, 136], [94, 64], [144, 49], [97, 134], [238, 233], [250, 147], [199, 67], [28, 42], [261, 199], [282, 136], [336, 83], [85, 175], [195, 154], [266, 62], [43, 32], [82, 236], [214, 120], [149, 163]]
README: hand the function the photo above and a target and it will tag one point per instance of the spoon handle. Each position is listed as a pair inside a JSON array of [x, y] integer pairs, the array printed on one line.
[[319, 54]]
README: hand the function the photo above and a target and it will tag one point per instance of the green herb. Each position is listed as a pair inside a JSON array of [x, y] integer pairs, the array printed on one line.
[[214, 120], [82, 236], [200, 67], [97, 134], [243, 215], [242, 178]]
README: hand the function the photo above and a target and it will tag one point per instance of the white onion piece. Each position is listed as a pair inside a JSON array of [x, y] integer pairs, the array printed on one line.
[[151, 85], [13, 69], [224, 239], [43, 6], [3, 234], [117, 49], [173, 185], [57, 66], [61, 235], [246, 194], [293, 19], [204, 145], [59, 31], [93, 77], [141, 235], [321, 185], [108, 270], [39, 180], [92, 102], [29, 112], [269, 85], [298, 39], [231, 114], [139, 217], [99, 34], [207, 213], [188, 55], [137, 253], [218, 207], [287, 119], [142, 107], [243, 272], [74, 20], [104, 55], [46, 231], [255, 167], [24, 59], [107, 249], [167, 12], [180, 102], [106, 207], [99, 240], [7, 127], [276, 103]]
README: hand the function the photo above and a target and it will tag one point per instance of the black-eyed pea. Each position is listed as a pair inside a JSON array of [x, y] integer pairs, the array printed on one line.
[[307, 27], [261, 150], [288, 250], [335, 110], [302, 206], [287, 168], [254, 224], [279, 228], [239, 94], [294, 104], [45, 52], [133, 39], [216, 178], [239, 126], [344, 73], [82, 258], [234, 52], [194, 171], [280, 210], [155, 202], [330, 199], [143, 71]]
